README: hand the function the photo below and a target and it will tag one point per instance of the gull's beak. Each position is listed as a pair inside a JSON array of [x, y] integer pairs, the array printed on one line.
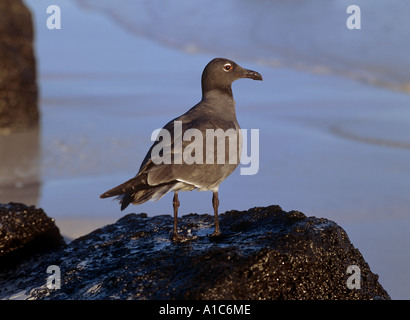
[[251, 74]]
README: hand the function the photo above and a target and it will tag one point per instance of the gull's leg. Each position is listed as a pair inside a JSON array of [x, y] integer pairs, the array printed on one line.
[[215, 204], [175, 203]]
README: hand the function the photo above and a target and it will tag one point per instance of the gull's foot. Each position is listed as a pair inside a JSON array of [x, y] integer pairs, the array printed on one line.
[[179, 238], [216, 233]]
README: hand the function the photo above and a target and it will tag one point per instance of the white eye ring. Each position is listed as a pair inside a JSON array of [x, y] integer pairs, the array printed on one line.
[[227, 67]]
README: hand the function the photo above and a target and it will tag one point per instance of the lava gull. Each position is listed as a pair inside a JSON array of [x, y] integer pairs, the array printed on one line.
[[198, 149]]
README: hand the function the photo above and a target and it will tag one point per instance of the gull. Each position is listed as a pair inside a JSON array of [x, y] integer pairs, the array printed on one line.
[[214, 113]]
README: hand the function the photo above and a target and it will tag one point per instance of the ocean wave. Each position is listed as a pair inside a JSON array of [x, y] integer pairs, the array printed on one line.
[[305, 35], [368, 139]]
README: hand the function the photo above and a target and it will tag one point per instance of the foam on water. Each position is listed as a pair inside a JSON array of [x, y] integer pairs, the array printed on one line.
[[307, 35]]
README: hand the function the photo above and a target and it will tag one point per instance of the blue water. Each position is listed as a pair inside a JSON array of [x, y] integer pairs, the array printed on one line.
[[333, 112], [306, 35]]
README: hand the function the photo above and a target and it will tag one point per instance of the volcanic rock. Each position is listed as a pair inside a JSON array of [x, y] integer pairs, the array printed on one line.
[[25, 231], [263, 253]]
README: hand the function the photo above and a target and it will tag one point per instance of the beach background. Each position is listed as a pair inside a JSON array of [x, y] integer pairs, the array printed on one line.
[[333, 112]]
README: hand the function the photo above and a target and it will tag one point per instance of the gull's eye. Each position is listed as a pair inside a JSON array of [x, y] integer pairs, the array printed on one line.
[[227, 67]]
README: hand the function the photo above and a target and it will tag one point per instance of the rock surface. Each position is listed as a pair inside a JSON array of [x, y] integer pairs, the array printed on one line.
[[18, 87], [264, 253], [25, 231]]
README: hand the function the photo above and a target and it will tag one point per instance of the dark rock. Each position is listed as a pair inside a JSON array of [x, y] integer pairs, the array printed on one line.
[[25, 231], [18, 87], [264, 253]]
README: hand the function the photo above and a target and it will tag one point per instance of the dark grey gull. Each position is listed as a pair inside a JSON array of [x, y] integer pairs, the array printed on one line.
[[215, 111]]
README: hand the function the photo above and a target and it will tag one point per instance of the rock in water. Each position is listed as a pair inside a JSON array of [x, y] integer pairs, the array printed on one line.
[[25, 231], [18, 87], [264, 253]]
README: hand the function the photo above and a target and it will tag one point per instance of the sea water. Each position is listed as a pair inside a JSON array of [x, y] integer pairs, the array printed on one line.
[[333, 112]]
